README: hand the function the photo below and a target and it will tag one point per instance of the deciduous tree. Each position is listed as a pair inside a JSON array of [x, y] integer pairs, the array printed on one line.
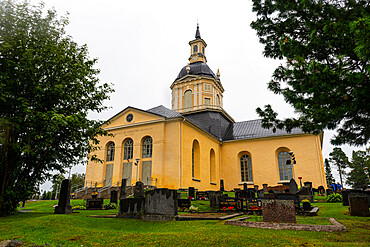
[[48, 86], [325, 77]]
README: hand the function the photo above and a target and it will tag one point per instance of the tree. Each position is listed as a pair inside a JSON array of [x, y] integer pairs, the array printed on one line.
[[340, 160], [357, 177], [326, 74], [77, 181], [56, 182], [48, 86], [329, 176]]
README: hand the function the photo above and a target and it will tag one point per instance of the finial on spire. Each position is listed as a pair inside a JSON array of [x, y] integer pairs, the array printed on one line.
[[218, 73], [197, 33]]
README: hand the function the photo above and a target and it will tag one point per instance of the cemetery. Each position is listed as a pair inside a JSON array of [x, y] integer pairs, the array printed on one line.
[[191, 214]]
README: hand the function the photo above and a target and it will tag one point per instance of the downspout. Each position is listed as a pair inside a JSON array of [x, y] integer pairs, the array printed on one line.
[[180, 139], [320, 160]]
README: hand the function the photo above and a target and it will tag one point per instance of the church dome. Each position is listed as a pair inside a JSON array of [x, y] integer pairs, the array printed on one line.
[[198, 68]]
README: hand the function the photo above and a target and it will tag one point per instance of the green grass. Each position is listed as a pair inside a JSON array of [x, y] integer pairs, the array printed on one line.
[[42, 227]]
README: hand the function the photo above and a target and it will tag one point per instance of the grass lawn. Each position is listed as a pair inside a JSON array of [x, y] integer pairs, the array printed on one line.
[[41, 226]]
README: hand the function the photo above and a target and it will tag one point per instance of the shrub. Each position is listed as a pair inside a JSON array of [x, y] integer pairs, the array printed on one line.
[[334, 198], [110, 206]]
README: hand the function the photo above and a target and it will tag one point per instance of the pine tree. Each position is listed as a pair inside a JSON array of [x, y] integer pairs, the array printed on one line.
[[329, 176], [340, 160], [357, 177]]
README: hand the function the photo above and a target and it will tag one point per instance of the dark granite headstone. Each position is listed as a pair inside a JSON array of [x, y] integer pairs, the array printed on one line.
[[245, 186], [321, 190], [304, 191], [122, 193], [253, 204], [222, 186], [113, 196], [348, 193], [308, 184], [260, 194], [358, 206], [305, 197], [255, 187], [183, 203], [131, 207], [139, 190], [230, 203], [278, 211], [306, 206], [293, 187], [94, 203], [161, 202], [286, 196], [202, 195], [191, 192], [64, 206], [214, 198]]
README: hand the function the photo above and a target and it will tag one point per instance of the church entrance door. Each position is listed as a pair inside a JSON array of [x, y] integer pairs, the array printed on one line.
[[108, 175], [126, 173], [147, 172]]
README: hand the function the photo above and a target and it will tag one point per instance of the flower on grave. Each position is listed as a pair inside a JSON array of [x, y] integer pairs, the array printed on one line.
[[73, 194], [202, 198], [299, 177], [190, 197], [224, 208], [94, 193]]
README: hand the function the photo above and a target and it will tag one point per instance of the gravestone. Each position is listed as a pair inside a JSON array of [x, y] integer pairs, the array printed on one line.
[[131, 207], [286, 196], [191, 192], [202, 195], [160, 204], [94, 203], [113, 196], [306, 206], [348, 193], [253, 204], [260, 194], [230, 203], [293, 187], [308, 184], [282, 211], [245, 186], [358, 206], [222, 186], [122, 193], [265, 189], [304, 193], [183, 203], [139, 190], [214, 198], [329, 192], [321, 189], [255, 187], [64, 206]]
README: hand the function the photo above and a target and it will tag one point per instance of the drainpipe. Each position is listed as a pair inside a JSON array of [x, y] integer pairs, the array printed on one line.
[[180, 139]]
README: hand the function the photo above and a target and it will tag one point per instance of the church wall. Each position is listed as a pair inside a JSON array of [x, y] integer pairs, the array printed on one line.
[[264, 153], [206, 143]]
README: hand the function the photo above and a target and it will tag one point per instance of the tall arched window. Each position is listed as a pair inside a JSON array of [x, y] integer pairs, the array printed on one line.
[[188, 99], [212, 161], [128, 149], [147, 147], [110, 152], [195, 159], [285, 170], [246, 168], [217, 100], [195, 49]]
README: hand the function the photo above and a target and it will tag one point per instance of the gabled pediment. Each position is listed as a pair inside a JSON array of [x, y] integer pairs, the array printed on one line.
[[130, 116]]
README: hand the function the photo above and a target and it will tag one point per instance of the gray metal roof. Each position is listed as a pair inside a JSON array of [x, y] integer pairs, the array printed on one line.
[[253, 129], [197, 68], [164, 112]]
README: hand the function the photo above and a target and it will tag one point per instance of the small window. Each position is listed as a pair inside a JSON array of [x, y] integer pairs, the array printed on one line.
[[203, 50], [195, 49], [128, 149], [217, 100], [110, 152], [207, 101], [246, 168], [147, 147], [207, 87]]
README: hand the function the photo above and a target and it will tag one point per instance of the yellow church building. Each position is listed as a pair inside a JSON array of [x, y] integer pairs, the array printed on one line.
[[196, 143]]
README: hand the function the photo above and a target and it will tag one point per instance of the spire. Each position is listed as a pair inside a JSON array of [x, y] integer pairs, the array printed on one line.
[[197, 34]]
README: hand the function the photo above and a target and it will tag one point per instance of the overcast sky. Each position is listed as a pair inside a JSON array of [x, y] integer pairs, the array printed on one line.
[[141, 47]]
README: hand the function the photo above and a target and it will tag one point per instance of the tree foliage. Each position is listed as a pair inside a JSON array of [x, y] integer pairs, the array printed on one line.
[[48, 86], [339, 159], [358, 177], [326, 75], [329, 176]]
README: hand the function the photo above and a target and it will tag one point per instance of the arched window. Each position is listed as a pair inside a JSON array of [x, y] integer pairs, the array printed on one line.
[[110, 152], [217, 100], [212, 161], [285, 170], [128, 149], [147, 147], [195, 159], [195, 49], [188, 99], [246, 168]]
